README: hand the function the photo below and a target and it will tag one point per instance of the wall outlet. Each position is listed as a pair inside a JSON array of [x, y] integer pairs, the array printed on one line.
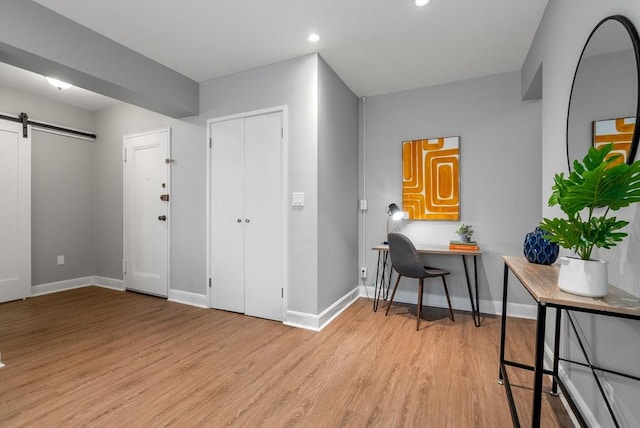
[[363, 272], [60, 260]]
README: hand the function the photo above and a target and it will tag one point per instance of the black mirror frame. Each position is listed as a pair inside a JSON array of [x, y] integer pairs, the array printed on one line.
[[635, 40]]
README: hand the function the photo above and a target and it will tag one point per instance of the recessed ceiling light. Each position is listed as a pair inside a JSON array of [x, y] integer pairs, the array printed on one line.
[[420, 2], [58, 83], [313, 37]]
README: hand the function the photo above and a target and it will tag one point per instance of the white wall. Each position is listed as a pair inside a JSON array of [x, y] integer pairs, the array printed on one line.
[[337, 187], [563, 31], [188, 183], [293, 83], [500, 174]]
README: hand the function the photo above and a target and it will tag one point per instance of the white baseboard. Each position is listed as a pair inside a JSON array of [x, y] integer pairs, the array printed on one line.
[[461, 303], [70, 284], [54, 287], [179, 296], [189, 298], [318, 322], [111, 283]]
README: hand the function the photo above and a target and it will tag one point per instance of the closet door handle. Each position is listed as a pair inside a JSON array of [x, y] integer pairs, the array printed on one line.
[[162, 218], [239, 220], [246, 220]]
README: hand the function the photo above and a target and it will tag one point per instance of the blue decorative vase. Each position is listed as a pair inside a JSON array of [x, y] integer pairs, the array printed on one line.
[[540, 250]]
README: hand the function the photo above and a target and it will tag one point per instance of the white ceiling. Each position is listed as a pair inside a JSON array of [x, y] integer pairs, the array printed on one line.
[[375, 46]]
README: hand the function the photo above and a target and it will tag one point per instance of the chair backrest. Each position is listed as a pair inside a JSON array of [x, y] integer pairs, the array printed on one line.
[[404, 258]]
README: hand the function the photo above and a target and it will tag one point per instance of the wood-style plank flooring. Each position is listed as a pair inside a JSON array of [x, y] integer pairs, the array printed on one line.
[[102, 358]]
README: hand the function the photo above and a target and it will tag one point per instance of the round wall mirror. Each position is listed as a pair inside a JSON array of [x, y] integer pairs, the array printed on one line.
[[604, 104]]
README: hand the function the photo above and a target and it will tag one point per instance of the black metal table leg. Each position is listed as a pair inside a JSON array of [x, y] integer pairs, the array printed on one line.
[[503, 321], [556, 353], [503, 377], [539, 365]]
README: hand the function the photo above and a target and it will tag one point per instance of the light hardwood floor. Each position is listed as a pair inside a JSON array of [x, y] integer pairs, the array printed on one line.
[[102, 358]]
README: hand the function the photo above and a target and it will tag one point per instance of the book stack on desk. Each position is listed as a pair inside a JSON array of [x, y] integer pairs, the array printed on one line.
[[460, 245]]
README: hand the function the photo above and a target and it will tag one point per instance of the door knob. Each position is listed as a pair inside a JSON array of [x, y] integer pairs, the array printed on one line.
[[162, 217], [246, 220], [239, 220]]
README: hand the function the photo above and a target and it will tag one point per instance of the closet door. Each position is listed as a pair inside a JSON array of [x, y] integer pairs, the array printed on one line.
[[263, 234], [15, 212], [246, 226], [227, 219]]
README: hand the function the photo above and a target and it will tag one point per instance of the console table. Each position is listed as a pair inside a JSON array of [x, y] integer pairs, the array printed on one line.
[[541, 281], [383, 280]]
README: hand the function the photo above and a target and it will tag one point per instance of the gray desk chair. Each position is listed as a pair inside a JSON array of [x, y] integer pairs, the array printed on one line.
[[406, 261]]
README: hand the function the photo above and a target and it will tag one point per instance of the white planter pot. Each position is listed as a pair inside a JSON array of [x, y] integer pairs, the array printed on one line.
[[583, 277]]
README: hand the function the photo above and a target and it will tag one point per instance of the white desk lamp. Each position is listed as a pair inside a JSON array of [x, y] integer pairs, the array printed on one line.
[[394, 213]]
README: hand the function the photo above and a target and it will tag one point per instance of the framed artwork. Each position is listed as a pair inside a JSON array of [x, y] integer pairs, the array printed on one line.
[[431, 178], [617, 131]]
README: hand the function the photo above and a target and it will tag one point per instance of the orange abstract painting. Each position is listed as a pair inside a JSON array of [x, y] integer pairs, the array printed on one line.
[[431, 178], [617, 131]]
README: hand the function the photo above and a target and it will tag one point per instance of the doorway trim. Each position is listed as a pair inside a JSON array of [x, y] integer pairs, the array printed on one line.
[[283, 109]]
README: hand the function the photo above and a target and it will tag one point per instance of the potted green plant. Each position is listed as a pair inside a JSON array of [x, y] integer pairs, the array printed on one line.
[[465, 231], [598, 185]]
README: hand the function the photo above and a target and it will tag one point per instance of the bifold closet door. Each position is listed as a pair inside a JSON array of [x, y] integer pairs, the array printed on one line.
[[263, 199], [227, 215], [246, 242]]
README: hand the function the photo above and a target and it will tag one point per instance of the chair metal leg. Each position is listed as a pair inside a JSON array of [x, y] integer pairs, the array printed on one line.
[[393, 293], [420, 287], [446, 291]]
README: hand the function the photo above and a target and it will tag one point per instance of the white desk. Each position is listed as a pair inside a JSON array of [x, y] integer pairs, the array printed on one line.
[[383, 280]]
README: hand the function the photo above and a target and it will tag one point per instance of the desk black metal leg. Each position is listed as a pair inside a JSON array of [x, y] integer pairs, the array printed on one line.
[[556, 353], [378, 284], [475, 280], [539, 365], [475, 308], [382, 282]]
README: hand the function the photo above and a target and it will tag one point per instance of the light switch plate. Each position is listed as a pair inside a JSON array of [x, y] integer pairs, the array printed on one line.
[[297, 199]]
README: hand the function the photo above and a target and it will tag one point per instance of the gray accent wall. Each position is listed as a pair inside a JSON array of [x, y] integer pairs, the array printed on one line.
[[37, 39], [337, 187], [499, 178], [615, 344]]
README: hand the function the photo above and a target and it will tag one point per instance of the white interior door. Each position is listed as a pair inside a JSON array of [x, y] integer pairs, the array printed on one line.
[[264, 277], [15, 212], [146, 214], [227, 215]]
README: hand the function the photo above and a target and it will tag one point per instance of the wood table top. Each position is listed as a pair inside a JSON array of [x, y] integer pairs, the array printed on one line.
[[432, 249], [542, 283]]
